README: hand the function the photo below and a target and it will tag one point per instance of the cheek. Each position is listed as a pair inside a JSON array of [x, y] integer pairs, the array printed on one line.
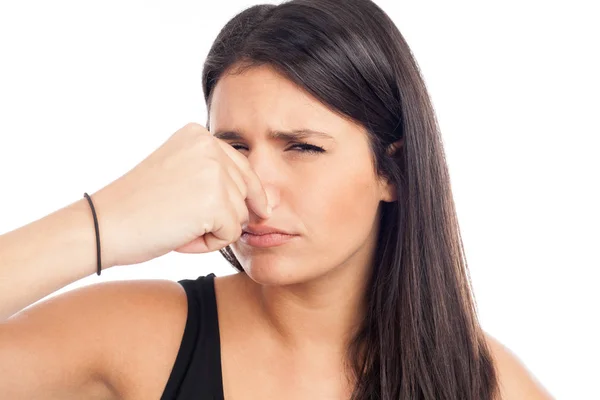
[[343, 207]]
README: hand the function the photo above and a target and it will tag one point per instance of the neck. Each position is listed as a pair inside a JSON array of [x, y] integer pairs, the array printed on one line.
[[320, 315]]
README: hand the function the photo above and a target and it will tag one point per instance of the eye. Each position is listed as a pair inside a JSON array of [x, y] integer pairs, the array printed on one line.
[[309, 148], [304, 148]]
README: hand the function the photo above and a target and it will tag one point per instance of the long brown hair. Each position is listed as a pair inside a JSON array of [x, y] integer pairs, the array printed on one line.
[[421, 338]]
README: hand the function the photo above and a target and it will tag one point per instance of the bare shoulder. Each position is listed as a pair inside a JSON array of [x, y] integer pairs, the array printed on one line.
[[126, 332], [148, 326], [516, 381]]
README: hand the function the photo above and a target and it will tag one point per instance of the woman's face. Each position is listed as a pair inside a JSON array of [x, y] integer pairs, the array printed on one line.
[[329, 198]]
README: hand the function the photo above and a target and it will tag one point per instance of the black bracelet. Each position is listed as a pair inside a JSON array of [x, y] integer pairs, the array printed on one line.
[[97, 233]]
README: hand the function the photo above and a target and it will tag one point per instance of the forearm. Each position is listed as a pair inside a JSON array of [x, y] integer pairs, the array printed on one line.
[[46, 255]]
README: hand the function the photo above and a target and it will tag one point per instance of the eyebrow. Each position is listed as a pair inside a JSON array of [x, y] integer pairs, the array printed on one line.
[[297, 134]]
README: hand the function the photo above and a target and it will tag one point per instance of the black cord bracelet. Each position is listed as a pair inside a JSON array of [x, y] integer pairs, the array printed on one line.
[[97, 233]]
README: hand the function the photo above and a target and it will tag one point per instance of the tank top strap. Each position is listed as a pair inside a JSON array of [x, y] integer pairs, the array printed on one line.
[[196, 373]]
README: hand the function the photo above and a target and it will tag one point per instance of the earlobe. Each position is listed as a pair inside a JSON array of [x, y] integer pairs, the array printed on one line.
[[388, 191], [391, 194]]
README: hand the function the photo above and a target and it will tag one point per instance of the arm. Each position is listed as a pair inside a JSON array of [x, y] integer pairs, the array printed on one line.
[[190, 195], [106, 341], [72, 346], [48, 254]]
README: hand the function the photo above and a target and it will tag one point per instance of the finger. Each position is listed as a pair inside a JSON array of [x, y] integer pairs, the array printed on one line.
[[226, 231], [221, 236], [239, 205], [238, 180], [256, 194], [196, 246]]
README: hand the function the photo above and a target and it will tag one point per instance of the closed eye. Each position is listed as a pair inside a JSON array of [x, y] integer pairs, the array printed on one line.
[[304, 148], [309, 148]]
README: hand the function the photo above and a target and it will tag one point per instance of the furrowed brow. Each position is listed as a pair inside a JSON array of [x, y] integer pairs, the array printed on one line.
[[297, 134]]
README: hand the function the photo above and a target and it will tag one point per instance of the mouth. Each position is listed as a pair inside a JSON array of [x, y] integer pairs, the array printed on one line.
[[260, 230], [266, 240]]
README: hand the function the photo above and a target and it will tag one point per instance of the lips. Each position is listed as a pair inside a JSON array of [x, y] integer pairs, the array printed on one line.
[[267, 240], [260, 230]]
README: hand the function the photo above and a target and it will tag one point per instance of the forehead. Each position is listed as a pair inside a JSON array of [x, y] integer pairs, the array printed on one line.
[[263, 99]]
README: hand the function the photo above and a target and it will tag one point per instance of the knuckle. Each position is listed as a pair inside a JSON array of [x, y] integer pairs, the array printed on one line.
[[208, 144], [192, 126], [197, 131], [206, 227], [213, 167]]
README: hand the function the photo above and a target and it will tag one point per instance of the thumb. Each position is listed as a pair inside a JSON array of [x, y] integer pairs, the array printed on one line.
[[203, 244]]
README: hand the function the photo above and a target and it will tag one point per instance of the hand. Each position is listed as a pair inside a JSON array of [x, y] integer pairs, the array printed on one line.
[[191, 195]]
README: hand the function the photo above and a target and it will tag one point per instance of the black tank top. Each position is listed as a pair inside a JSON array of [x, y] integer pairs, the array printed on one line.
[[196, 374]]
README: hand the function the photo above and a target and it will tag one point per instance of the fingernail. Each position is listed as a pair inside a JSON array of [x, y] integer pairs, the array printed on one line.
[[269, 210]]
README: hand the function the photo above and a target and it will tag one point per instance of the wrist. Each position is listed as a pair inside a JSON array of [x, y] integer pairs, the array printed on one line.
[[81, 215]]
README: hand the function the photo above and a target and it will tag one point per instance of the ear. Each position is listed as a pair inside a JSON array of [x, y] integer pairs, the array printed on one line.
[[394, 147], [389, 190]]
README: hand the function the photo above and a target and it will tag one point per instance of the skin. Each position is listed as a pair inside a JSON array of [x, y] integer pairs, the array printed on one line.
[[284, 324], [297, 305], [306, 294]]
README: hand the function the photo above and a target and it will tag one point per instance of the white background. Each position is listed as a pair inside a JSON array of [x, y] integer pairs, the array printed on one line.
[[88, 89]]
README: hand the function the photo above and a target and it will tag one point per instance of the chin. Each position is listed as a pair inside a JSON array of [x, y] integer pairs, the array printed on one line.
[[272, 270], [277, 266], [273, 273]]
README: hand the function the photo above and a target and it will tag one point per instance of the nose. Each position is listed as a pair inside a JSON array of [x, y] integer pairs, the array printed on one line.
[[272, 195], [266, 170]]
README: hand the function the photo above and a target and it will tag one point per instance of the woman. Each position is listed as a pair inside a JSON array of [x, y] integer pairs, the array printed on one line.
[[321, 177]]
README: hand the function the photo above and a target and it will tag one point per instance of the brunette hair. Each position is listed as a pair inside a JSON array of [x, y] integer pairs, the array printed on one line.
[[421, 338]]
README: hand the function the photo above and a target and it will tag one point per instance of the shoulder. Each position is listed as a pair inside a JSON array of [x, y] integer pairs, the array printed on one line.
[[516, 382], [132, 329], [146, 328]]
